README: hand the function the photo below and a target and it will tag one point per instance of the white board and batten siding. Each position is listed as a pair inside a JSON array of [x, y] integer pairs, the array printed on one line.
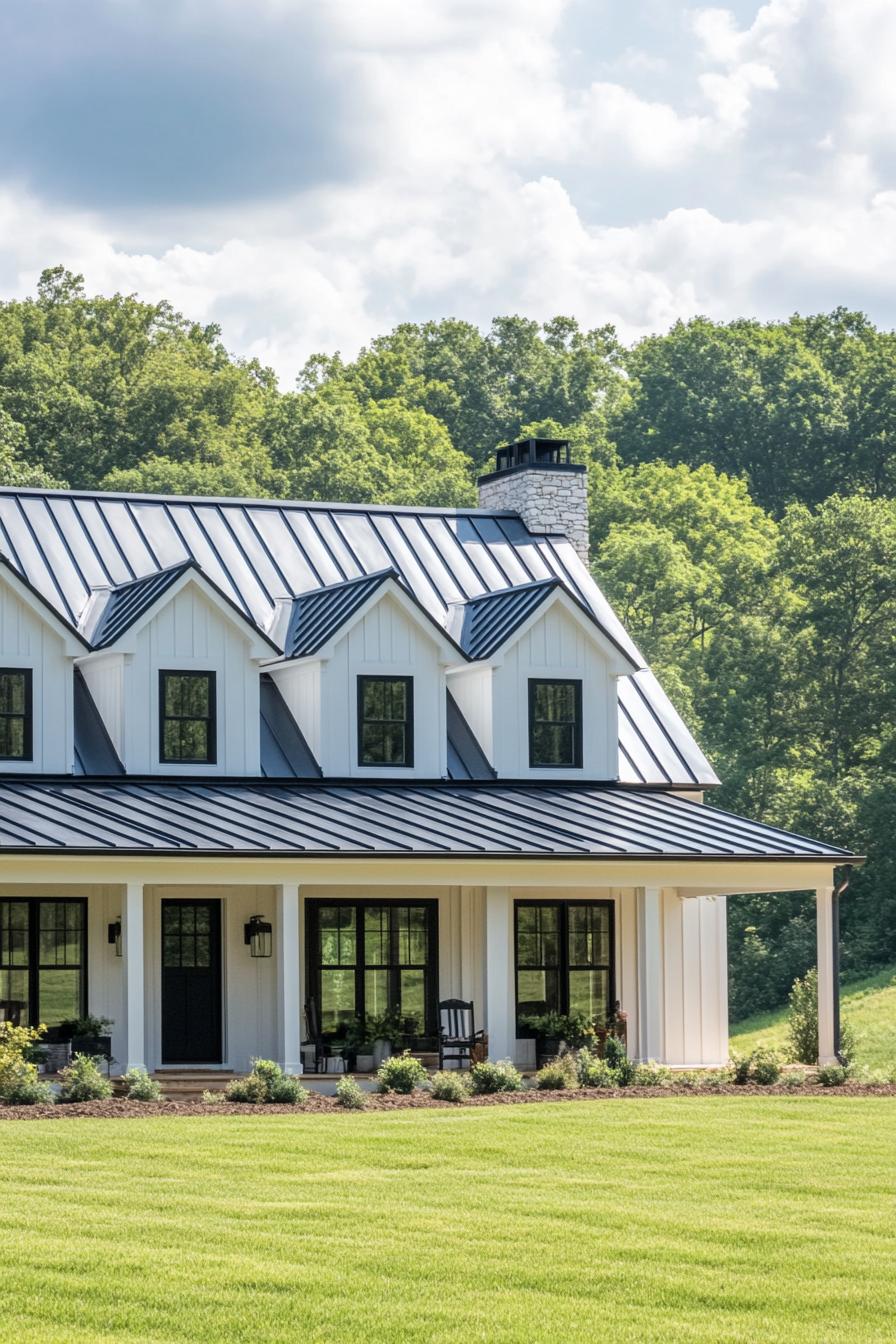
[[187, 634], [495, 700], [322, 694], [29, 641]]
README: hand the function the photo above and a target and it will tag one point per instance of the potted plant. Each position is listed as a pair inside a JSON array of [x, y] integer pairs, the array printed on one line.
[[553, 1031], [88, 1035], [386, 1031]]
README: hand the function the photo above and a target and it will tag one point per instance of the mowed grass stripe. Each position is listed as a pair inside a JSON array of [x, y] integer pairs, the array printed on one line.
[[673, 1219]]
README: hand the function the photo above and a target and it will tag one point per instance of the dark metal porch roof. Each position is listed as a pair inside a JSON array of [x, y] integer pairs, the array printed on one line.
[[277, 818]]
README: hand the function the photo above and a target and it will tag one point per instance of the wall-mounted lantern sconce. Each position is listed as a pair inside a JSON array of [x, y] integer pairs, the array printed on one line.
[[258, 936], [115, 935]]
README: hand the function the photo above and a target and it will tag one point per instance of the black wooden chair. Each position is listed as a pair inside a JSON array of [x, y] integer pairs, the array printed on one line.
[[323, 1051], [457, 1033]]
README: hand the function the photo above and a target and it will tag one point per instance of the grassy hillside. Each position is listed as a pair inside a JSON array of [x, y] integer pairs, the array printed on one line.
[[717, 1219], [868, 1005]]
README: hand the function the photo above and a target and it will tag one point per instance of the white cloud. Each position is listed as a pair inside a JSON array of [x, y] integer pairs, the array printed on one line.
[[743, 170]]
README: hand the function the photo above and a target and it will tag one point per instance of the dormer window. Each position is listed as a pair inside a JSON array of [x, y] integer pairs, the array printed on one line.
[[555, 724], [15, 714], [386, 721], [187, 726]]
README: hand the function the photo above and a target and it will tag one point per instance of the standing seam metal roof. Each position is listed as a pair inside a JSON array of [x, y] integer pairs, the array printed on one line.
[[259, 553], [234, 817]]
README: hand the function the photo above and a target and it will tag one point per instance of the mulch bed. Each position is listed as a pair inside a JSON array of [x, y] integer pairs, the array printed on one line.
[[119, 1108]]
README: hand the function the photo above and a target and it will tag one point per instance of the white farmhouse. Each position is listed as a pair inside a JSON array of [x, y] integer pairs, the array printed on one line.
[[265, 764]]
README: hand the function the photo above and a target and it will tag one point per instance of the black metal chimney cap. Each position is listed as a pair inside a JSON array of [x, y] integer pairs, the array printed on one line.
[[543, 454]]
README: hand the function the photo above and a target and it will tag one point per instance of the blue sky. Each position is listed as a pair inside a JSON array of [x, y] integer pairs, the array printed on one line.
[[310, 173]]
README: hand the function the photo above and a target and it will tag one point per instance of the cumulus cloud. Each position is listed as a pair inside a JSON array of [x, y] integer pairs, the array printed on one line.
[[310, 175]]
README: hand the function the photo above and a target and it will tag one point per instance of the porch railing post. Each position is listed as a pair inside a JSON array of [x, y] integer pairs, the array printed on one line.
[[287, 945], [650, 973], [499, 978], [132, 955], [824, 922]]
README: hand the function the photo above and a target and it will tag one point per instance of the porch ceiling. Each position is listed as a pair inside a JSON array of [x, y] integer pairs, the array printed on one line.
[[276, 818]]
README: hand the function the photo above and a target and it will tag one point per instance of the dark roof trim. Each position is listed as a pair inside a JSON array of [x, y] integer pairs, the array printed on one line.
[[154, 586], [491, 619], [44, 603]]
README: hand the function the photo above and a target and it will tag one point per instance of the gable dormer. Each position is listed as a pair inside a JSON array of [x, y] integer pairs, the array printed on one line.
[[364, 677], [174, 674], [37, 649], [540, 693]]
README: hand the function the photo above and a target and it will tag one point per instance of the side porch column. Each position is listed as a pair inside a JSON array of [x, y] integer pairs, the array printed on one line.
[[824, 919], [500, 1007], [651, 1043], [132, 954], [287, 950]]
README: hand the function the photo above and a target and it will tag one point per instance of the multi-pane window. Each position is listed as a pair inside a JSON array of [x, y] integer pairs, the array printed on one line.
[[187, 729], [385, 720], [186, 936], [43, 961], [555, 723], [564, 959], [15, 714], [372, 958]]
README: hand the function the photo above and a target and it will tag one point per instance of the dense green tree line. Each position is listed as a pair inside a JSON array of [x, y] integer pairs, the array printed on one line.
[[742, 501]]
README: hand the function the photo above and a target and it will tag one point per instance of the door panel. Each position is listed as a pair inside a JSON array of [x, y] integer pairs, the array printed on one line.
[[191, 982]]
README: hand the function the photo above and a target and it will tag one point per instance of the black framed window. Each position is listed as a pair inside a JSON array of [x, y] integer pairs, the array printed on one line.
[[373, 958], [43, 960], [187, 718], [555, 723], [564, 959], [385, 720], [15, 714]]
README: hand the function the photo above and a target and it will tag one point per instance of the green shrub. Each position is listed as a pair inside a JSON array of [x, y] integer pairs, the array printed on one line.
[[495, 1076], [614, 1051], [19, 1081], [400, 1073], [88, 1025], [573, 1028], [740, 1069], [266, 1085], [450, 1085], [350, 1094], [652, 1075], [833, 1075], [802, 1019], [765, 1066], [793, 1079], [847, 1042], [213, 1098], [82, 1081], [559, 1074], [140, 1087], [593, 1071]]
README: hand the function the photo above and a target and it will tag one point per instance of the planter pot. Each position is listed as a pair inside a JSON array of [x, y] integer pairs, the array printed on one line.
[[364, 1063], [382, 1050], [549, 1048], [58, 1055]]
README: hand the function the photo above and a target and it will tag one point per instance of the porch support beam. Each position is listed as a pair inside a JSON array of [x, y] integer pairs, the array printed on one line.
[[132, 954], [500, 996], [288, 952], [650, 973], [827, 986]]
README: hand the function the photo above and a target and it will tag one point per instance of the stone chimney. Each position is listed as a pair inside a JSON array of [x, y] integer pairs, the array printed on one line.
[[536, 479]]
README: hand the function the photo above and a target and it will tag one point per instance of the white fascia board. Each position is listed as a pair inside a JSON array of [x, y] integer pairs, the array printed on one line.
[[260, 646], [73, 643]]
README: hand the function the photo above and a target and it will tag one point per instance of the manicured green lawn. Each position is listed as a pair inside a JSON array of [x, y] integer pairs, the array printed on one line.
[[869, 1006], [672, 1219]]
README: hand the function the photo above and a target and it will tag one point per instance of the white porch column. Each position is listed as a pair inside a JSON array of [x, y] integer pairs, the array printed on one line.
[[287, 952], [499, 978], [824, 918], [650, 973], [132, 954]]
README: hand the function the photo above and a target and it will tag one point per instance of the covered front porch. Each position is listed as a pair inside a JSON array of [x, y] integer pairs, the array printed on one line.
[[158, 945]]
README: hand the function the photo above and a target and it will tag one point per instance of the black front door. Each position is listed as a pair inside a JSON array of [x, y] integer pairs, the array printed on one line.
[[191, 982]]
